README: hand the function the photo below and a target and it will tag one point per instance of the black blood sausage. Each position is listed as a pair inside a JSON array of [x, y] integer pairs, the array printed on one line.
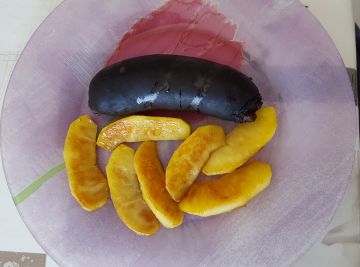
[[172, 82]]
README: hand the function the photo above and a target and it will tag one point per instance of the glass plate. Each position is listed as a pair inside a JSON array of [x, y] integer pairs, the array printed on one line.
[[297, 68]]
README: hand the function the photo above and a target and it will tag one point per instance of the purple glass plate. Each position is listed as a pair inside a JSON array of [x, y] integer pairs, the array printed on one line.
[[298, 70]]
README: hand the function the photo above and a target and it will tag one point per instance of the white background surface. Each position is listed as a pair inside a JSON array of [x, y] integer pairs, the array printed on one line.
[[340, 247]]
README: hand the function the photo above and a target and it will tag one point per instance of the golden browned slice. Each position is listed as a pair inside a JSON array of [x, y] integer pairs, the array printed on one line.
[[142, 128], [242, 143], [152, 183], [233, 190], [125, 192], [87, 183], [189, 158]]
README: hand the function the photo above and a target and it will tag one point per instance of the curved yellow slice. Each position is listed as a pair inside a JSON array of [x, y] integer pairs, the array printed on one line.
[[189, 158], [125, 192], [242, 143], [151, 177], [142, 128], [233, 190], [87, 183]]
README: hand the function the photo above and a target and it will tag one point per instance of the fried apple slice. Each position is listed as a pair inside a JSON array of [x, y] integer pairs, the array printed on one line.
[[244, 141], [126, 195], [231, 191], [87, 183], [189, 158], [138, 128], [151, 177]]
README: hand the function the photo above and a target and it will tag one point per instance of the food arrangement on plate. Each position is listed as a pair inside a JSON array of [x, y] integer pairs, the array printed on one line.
[[145, 191], [271, 42]]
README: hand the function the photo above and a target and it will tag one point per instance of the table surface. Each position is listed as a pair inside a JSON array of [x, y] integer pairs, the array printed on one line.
[[340, 246]]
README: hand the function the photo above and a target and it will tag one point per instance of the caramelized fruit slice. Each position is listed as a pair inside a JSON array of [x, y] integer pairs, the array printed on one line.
[[242, 143], [188, 159], [87, 183], [138, 128], [125, 192], [151, 177], [233, 190]]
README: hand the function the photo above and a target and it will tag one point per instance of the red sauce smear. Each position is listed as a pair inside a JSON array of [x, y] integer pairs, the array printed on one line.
[[182, 27]]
